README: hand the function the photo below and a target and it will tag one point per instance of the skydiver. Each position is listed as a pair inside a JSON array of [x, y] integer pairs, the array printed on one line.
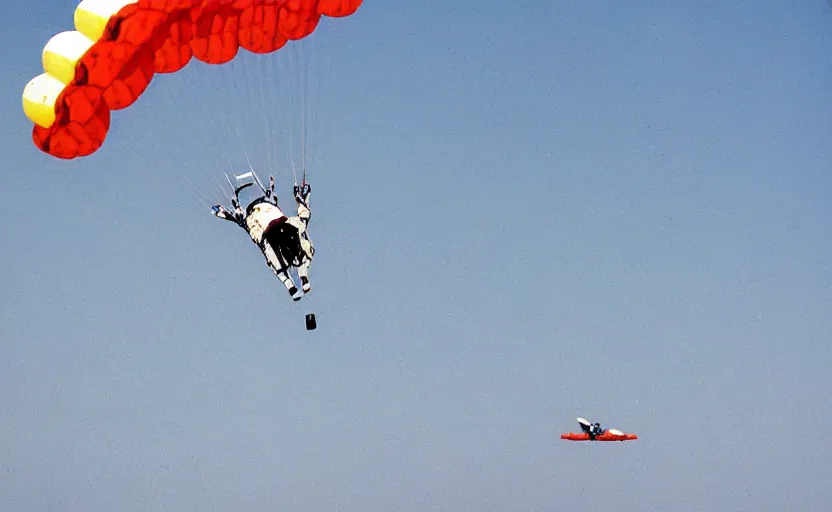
[[595, 430], [283, 240], [591, 431]]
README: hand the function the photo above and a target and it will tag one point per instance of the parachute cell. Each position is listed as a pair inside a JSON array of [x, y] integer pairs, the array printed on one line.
[[117, 47]]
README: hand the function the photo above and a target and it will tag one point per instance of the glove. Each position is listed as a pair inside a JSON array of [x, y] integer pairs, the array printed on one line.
[[302, 192], [215, 210]]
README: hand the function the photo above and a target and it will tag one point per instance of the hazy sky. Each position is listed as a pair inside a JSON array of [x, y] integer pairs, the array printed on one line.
[[523, 212]]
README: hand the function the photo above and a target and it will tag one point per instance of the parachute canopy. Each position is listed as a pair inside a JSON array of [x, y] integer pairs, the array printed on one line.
[[117, 47], [597, 434], [609, 435]]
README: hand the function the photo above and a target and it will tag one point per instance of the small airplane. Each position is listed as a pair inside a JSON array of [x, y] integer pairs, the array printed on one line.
[[594, 432]]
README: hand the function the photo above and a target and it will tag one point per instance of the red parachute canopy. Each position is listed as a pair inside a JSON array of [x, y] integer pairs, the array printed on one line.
[[109, 62], [609, 435]]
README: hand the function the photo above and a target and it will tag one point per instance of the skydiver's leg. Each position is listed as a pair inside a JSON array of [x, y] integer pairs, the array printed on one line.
[[307, 250], [293, 247], [306, 247], [287, 281], [303, 270], [303, 273], [281, 271]]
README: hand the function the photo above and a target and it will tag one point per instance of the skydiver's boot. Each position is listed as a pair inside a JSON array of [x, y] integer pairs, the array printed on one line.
[[284, 278], [281, 271], [293, 291]]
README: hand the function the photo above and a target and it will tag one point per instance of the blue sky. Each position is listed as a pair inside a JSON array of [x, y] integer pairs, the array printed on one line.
[[523, 212]]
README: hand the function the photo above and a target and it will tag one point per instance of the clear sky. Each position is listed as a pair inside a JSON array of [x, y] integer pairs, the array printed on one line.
[[524, 212]]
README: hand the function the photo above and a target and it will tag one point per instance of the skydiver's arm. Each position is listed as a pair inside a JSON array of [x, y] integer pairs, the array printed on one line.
[[302, 198], [270, 191], [220, 212]]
